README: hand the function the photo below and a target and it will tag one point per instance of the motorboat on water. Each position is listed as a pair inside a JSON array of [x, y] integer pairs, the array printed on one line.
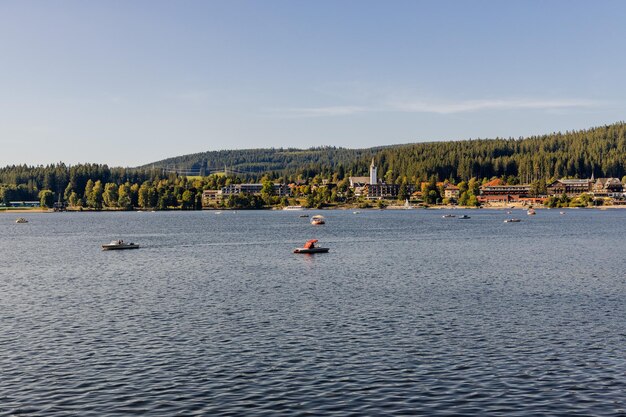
[[21, 220], [531, 212], [309, 247], [119, 245], [293, 208], [512, 221], [447, 216], [407, 205], [465, 216], [304, 215], [317, 220]]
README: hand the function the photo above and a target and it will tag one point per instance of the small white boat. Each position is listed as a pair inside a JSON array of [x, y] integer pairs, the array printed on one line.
[[512, 221], [407, 206], [21, 220], [356, 212], [318, 220], [561, 212], [119, 245], [309, 247], [218, 212], [293, 208], [465, 216], [448, 216], [531, 212]]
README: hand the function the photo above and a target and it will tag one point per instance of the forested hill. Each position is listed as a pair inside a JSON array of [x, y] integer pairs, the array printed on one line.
[[253, 163], [600, 151]]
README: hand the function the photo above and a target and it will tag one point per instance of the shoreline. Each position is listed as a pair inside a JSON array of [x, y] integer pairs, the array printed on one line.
[[394, 208]]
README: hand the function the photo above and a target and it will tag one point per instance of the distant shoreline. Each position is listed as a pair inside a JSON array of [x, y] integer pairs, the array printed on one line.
[[339, 208]]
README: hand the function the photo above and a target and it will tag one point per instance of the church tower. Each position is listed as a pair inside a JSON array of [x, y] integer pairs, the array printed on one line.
[[373, 178]]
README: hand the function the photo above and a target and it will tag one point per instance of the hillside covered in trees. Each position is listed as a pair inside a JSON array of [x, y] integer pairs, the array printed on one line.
[[179, 182], [254, 163], [600, 151]]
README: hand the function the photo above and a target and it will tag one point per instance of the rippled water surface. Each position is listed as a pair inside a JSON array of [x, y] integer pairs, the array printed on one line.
[[408, 313]]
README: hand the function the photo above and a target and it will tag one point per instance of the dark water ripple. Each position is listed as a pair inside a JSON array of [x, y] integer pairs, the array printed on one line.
[[408, 314]]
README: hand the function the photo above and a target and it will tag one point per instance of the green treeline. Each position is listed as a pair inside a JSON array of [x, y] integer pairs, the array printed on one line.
[[599, 151], [94, 186]]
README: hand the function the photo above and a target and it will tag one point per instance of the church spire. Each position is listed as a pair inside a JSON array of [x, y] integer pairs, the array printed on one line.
[[373, 177]]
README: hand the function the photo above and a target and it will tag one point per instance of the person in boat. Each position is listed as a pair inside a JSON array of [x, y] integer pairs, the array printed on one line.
[[310, 244]]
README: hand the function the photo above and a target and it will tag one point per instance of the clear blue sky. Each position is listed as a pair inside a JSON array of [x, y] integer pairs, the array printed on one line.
[[131, 82]]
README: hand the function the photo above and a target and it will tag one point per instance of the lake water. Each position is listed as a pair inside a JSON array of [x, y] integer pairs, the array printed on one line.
[[409, 313]]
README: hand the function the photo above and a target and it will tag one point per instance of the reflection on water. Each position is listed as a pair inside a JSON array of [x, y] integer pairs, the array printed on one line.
[[409, 313]]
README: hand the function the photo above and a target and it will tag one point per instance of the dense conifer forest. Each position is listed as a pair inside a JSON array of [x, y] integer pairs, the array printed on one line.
[[179, 182], [600, 151]]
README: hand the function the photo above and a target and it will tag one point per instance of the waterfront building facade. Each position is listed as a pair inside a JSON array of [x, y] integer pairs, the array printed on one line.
[[280, 190], [208, 196], [386, 191], [570, 187], [451, 191], [607, 187]]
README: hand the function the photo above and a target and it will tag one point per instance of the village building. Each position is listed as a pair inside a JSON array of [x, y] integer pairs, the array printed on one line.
[[497, 190], [386, 191], [451, 191], [498, 187], [570, 187], [208, 196], [359, 184], [372, 189], [607, 187], [280, 190], [24, 204], [356, 182]]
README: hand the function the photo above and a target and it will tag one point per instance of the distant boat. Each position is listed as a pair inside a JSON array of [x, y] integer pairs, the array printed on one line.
[[447, 216], [561, 212], [119, 245], [465, 216], [293, 208], [512, 221], [218, 212], [356, 212], [304, 215], [21, 220], [531, 212], [407, 206], [309, 247], [318, 220]]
